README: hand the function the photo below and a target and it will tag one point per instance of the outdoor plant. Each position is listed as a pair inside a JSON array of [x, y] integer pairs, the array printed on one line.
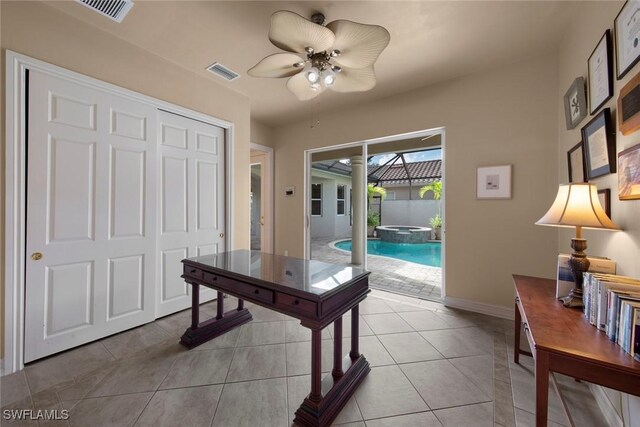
[[373, 219], [436, 221], [435, 187], [372, 190]]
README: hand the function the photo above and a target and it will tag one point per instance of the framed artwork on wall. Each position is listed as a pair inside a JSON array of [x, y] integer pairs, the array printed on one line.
[[629, 106], [575, 163], [493, 182], [627, 32], [629, 173], [599, 69], [599, 145], [575, 103], [604, 196]]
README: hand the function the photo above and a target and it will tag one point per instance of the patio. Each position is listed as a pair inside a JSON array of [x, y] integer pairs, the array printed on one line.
[[388, 274]]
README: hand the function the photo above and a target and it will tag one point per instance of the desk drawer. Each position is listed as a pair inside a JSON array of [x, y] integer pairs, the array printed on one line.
[[299, 305], [194, 272], [241, 289]]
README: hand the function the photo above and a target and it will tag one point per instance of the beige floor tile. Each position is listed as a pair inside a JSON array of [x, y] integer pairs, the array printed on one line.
[[251, 363], [13, 388], [503, 404], [386, 392], [363, 328], [527, 419], [226, 340], [422, 419], [524, 395], [460, 342], [372, 349], [479, 369], [109, 411], [479, 415], [261, 314], [299, 357], [299, 387], [252, 334], [193, 406], [64, 366], [409, 347], [135, 340], [441, 385], [457, 318], [268, 404], [424, 320], [84, 384], [386, 323], [199, 368], [402, 307], [374, 306]]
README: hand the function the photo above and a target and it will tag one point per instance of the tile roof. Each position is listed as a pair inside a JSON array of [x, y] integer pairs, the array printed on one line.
[[420, 172]]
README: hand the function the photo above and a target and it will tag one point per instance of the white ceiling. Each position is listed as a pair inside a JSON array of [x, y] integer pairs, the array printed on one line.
[[430, 41]]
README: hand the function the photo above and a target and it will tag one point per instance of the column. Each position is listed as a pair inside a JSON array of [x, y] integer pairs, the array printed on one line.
[[358, 231]]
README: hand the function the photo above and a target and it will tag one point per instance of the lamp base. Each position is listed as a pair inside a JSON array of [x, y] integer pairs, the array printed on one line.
[[579, 265], [573, 300]]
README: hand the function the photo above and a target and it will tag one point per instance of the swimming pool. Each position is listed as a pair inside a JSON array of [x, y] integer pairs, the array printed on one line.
[[420, 253]]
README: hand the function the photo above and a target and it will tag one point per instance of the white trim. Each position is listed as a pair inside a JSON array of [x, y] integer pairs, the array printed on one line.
[[608, 410], [15, 198], [306, 193], [268, 246], [480, 307]]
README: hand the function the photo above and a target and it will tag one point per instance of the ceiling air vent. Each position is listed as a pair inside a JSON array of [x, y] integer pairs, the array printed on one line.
[[222, 71], [114, 9]]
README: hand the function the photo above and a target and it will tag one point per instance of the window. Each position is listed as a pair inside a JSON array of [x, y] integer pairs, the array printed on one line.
[[391, 195], [340, 198], [316, 199]]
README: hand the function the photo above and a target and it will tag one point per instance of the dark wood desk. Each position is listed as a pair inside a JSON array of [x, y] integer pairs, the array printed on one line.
[[563, 341], [315, 292]]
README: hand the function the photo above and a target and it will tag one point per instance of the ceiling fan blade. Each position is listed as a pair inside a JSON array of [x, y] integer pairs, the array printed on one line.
[[301, 88], [359, 44], [293, 33], [355, 80], [276, 65]]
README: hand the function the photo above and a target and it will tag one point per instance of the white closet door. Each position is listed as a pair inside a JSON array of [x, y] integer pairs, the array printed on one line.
[[192, 203], [91, 224]]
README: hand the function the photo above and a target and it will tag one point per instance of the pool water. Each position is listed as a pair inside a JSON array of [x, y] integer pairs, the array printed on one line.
[[420, 253]]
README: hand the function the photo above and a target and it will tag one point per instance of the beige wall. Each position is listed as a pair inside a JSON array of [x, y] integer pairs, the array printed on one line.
[[45, 33], [261, 134], [505, 116], [622, 246]]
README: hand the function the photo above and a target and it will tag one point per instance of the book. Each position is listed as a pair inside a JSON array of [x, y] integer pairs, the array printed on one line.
[[565, 280]]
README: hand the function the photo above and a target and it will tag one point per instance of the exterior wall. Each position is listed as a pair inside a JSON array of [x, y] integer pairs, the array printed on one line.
[[409, 212], [402, 192], [623, 246], [330, 224], [487, 123], [45, 33]]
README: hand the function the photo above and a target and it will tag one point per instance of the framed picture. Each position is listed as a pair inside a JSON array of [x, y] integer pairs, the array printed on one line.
[[599, 69], [629, 106], [493, 182], [604, 196], [575, 103], [575, 160], [627, 30], [629, 173], [599, 145]]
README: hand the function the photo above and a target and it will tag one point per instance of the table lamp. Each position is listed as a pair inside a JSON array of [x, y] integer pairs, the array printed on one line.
[[577, 205]]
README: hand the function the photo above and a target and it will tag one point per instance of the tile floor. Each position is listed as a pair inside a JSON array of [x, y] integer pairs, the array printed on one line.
[[387, 274], [431, 366]]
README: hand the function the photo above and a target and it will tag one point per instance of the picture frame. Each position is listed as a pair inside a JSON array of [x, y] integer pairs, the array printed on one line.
[[629, 173], [629, 106], [575, 103], [599, 73], [599, 145], [576, 164], [627, 36], [493, 182], [604, 196]]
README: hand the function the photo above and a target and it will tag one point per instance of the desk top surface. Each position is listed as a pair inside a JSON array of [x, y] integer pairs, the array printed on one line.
[[309, 276], [558, 329]]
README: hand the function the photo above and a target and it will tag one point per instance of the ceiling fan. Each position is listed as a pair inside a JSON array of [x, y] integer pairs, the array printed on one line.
[[339, 56]]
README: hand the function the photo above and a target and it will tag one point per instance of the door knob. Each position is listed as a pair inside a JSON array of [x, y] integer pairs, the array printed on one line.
[[36, 256], [221, 235]]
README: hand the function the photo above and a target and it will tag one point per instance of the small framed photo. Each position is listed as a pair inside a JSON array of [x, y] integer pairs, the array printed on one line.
[[629, 173], [575, 160], [629, 106], [599, 145], [600, 78], [575, 103], [493, 182], [604, 196], [627, 32]]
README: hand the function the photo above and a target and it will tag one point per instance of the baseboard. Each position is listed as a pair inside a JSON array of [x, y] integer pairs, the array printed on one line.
[[608, 410], [479, 307]]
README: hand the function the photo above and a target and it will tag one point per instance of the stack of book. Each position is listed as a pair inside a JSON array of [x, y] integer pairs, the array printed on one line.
[[612, 304]]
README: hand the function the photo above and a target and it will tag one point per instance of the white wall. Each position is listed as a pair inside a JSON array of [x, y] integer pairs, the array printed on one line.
[[409, 212], [330, 224]]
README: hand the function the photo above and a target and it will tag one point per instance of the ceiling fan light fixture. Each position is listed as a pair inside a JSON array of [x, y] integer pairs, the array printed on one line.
[[335, 52], [313, 75], [315, 86], [328, 77]]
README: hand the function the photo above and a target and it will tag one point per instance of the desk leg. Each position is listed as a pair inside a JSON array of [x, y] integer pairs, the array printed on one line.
[[516, 340], [337, 348], [195, 306], [542, 387], [316, 365], [240, 304], [355, 332], [220, 308]]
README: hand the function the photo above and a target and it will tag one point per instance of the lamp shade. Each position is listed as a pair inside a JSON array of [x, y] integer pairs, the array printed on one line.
[[577, 205]]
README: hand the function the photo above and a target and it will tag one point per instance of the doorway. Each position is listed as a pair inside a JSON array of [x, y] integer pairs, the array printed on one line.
[[402, 170], [261, 198]]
